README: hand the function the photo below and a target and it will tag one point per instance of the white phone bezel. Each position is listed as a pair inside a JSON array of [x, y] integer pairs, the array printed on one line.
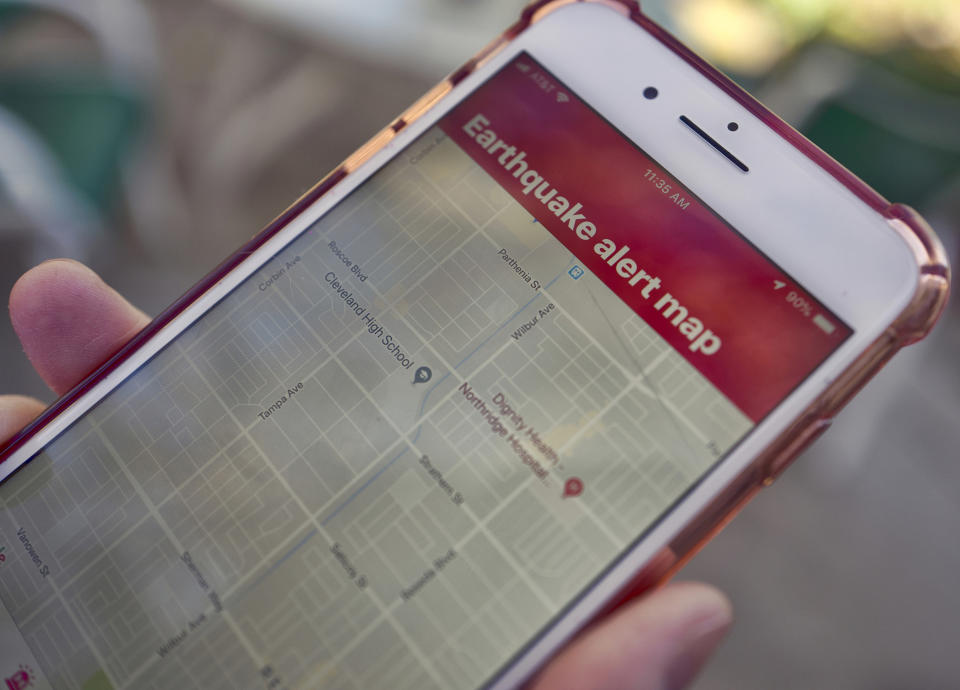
[[608, 61]]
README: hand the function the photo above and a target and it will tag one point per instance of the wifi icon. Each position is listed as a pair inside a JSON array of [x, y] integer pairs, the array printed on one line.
[[562, 97], [523, 66]]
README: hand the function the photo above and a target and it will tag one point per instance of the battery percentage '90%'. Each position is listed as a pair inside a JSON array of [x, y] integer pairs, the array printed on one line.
[[800, 303]]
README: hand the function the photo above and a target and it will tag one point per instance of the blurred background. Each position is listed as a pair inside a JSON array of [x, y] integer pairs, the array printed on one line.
[[149, 138]]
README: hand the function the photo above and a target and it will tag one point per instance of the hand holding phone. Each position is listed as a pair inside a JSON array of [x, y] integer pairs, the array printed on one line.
[[513, 360]]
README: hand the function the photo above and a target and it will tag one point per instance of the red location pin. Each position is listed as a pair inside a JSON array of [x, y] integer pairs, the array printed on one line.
[[573, 487]]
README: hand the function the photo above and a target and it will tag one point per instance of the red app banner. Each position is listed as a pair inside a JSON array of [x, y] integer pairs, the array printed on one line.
[[682, 269]]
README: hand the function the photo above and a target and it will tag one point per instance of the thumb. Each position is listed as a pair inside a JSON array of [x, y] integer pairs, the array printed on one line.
[[69, 321], [658, 642]]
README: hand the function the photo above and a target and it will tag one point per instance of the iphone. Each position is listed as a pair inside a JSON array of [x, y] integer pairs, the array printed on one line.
[[511, 362]]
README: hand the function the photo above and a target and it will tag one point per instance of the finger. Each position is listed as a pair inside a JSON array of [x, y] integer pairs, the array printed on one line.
[[658, 642], [15, 412], [69, 321]]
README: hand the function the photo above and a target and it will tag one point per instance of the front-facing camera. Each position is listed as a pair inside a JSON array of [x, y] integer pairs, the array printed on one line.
[[650, 93]]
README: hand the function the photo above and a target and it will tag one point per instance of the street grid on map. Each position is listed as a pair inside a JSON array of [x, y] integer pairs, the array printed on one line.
[[278, 462]]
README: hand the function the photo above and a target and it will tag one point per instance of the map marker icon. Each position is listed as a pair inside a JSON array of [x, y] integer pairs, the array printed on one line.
[[573, 487], [422, 375]]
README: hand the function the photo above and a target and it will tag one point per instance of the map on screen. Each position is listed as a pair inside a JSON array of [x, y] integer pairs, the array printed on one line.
[[387, 459]]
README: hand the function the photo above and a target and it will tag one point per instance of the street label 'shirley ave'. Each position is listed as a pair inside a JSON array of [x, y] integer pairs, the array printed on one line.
[[702, 339]]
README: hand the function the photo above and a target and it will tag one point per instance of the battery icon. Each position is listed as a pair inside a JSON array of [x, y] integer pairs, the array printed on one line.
[[823, 324]]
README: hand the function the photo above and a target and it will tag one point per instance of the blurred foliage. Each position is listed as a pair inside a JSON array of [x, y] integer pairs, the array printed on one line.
[[900, 168], [886, 103], [749, 36]]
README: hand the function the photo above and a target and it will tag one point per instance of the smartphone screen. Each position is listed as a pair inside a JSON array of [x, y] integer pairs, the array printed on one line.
[[392, 456]]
